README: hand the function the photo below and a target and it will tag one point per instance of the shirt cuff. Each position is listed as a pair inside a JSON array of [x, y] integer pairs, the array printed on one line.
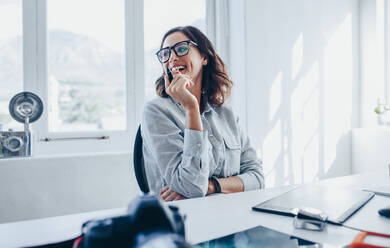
[[194, 142], [250, 181]]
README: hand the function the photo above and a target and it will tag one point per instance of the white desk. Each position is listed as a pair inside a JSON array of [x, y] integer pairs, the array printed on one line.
[[213, 217]]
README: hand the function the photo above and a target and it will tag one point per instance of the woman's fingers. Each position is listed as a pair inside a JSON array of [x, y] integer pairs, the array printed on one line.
[[189, 83], [169, 195], [163, 190], [179, 83], [165, 195], [169, 84], [179, 197], [178, 90], [184, 81], [174, 197]]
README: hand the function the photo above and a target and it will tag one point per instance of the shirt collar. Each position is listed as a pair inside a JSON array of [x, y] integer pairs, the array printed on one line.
[[207, 108]]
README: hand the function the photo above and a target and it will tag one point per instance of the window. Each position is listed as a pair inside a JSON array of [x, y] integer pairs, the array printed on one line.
[[86, 65], [11, 70], [88, 61], [169, 13]]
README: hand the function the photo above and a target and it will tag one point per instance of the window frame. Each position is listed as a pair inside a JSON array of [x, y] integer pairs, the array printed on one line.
[[35, 79]]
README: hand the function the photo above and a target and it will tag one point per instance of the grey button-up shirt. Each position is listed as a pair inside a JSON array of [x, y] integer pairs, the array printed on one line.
[[185, 159]]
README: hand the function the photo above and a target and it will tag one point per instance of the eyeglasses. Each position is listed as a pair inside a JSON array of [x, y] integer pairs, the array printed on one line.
[[181, 49]]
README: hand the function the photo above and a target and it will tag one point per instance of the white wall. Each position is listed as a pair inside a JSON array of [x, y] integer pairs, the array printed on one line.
[[51, 186], [370, 150], [373, 49], [302, 92]]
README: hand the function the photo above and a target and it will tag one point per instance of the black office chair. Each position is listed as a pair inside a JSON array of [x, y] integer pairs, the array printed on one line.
[[138, 160]]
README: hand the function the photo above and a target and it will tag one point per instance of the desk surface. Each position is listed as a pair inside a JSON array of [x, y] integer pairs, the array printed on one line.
[[223, 214]]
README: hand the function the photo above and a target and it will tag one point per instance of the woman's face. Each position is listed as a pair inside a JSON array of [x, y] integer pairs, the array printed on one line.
[[190, 64]]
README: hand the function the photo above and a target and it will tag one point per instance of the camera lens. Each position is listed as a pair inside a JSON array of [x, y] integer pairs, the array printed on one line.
[[14, 143], [111, 232]]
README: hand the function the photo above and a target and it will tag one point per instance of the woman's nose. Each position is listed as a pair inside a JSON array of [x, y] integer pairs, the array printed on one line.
[[173, 57]]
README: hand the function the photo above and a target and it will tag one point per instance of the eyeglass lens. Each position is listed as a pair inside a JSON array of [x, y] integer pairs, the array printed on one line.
[[181, 49]]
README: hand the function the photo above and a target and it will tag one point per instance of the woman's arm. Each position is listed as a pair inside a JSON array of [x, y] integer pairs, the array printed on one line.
[[181, 156], [228, 185], [178, 90], [250, 177]]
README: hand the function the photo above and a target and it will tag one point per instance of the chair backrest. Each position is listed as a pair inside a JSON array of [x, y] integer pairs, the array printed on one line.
[[139, 167]]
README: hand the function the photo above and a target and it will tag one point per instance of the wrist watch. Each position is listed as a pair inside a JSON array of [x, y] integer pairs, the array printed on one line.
[[217, 186]]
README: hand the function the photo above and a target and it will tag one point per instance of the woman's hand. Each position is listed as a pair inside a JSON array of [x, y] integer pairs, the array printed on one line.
[[169, 195], [178, 90]]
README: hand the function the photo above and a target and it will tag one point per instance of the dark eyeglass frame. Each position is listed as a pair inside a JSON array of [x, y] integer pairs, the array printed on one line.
[[188, 42]]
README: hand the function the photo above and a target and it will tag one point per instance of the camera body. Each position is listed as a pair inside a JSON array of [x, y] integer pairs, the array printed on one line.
[[24, 107], [15, 144], [147, 220]]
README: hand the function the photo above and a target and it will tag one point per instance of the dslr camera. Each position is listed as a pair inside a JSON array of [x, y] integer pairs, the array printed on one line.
[[149, 223], [15, 144], [25, 107]]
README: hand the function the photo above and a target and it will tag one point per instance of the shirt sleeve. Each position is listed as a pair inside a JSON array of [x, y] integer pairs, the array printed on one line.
[[251, 169], [181, 157]]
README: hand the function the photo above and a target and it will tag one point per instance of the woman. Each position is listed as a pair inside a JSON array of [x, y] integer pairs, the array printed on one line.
[[193, 145]]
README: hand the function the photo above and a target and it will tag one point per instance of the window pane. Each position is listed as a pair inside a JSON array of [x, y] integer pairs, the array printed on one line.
[[159, 17], [86, 61], [11, 56]]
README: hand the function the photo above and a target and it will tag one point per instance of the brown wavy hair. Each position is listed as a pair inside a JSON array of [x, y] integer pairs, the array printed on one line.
[[216, 84]]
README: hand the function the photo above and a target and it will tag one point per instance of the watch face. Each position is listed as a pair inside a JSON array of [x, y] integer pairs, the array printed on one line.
[[26, 105]]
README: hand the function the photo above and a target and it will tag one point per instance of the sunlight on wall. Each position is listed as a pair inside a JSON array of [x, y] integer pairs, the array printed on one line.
[[373, 64], [380, 40], [272, 150], [305, 109], [338, 87], [287, 173], [297, 56], [310, 159], [303, 88], [321, 112], [275, 96]]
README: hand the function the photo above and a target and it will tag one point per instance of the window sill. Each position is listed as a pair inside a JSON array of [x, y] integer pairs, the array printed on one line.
[[69, 155]]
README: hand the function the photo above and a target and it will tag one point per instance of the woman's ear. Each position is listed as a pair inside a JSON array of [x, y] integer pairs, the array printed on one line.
[[204, 62]]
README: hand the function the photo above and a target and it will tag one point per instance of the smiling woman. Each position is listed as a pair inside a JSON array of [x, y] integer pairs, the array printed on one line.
[[158, 18], [193, 145]]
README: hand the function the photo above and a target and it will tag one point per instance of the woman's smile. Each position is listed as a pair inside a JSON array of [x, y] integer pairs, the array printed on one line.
[[179, 68]]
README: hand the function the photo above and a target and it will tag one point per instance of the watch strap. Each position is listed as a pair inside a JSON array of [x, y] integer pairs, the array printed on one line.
[[217, 186]]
